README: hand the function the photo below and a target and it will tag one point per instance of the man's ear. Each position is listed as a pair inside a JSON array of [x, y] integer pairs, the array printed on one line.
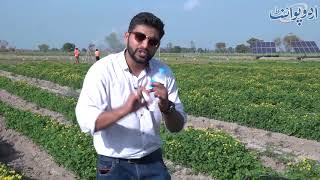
[[126, 37]]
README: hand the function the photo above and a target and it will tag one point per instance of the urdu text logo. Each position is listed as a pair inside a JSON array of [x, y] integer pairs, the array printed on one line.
[[295, 13]]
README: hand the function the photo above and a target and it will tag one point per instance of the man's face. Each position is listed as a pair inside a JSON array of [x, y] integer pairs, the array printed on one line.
[[142, 43]]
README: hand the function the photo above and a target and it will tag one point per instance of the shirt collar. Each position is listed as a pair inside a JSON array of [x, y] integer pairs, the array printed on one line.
[[123, 62]]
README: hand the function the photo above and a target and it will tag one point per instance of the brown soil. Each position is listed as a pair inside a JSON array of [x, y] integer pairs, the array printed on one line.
[[43, 84], [21, 154]]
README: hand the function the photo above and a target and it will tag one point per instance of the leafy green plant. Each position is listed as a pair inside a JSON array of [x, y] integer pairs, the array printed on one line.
[[44, 99], [304, 169], [275, 96], [7, 174], [66, 144]]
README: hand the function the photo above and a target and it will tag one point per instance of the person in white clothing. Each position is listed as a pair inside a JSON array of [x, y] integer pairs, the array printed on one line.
[[113, 105]]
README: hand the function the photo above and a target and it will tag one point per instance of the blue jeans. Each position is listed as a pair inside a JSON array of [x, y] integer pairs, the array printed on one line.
[[151, 167]]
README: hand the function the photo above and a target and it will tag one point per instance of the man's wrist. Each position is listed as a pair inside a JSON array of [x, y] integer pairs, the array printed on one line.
[[170, 108]]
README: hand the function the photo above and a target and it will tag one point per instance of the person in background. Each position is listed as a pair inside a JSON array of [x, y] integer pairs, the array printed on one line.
[[76, 55], [97, 54], [112, 106]]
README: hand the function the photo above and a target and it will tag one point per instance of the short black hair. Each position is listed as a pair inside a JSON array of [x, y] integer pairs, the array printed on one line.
[[149, 19]]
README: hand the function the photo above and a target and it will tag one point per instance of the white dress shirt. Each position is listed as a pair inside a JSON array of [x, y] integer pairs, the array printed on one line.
[[107, 85]]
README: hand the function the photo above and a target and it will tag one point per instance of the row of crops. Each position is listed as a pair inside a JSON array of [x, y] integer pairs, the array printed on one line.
[[255, 94], [275, 96], [210, 151]]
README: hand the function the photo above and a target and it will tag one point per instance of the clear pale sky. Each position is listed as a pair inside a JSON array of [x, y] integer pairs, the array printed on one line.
[[26, 24]]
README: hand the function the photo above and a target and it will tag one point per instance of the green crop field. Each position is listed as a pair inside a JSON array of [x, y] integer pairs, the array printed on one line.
[[278, 96]]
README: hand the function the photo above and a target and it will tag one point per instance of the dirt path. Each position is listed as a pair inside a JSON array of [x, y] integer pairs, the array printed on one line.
[[259, 139], [19, 103], [20, 153], [274, 145], [43, 84]]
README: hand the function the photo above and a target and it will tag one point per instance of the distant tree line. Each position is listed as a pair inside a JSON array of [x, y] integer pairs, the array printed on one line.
[[283, 45], [114, 44], [5, 47], [112, 40]]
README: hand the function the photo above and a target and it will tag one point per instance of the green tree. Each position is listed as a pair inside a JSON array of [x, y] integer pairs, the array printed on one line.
[[91, 47], [254, 40], [113, 42], [4, 45], [54, 49], [288, 39], [200, 50], [68, 47], [277, 41], [176, 49], [230, 50], [241, 48], [220, 47], [169, 47], [193, 46], [43, 47]]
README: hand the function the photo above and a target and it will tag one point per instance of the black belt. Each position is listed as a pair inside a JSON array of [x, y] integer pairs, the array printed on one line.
[[150, 158]]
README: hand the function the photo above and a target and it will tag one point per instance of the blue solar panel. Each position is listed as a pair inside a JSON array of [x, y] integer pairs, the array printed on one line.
[[307, 50], [263, 47], [268, 44], [254, 50], [299, 44], [301, 50], [296, 49], [309, 44], [304, 46], [314, 50], [259, 44]]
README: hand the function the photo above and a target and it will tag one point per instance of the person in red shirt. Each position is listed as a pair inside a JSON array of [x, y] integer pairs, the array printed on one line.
[[76, 55], [97, 54]]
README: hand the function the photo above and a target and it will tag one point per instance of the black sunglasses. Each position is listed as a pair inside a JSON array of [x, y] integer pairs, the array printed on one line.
[[141, 37]]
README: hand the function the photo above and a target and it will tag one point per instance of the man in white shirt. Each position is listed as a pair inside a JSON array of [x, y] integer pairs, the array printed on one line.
[[113, 105]]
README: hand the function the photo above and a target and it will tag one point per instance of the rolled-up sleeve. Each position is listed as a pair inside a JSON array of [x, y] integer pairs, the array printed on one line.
[[92, 100], [173, 95]]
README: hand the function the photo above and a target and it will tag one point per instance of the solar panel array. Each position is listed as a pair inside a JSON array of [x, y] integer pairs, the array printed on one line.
[[304, 47], [263, 47]]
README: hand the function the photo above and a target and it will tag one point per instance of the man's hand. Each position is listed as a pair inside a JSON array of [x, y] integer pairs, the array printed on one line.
[[133, 103], [135, 100], [174, 120], [162, 93]]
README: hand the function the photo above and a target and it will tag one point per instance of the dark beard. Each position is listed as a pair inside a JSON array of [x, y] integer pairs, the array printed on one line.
[[132, 53]]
